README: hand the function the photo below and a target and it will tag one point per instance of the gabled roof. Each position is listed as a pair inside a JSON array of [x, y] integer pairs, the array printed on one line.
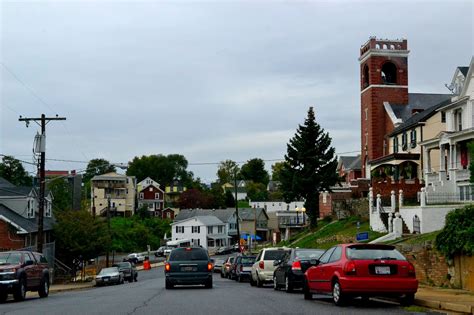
[[222, 214], [23, 224], [418, 101], [350, 162], [249, 214], [4, 183], [419, 117], [151, 185], [20, 191], [205, 219]]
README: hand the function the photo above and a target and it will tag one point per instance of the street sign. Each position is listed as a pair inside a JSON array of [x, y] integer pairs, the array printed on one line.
[[362, 236]]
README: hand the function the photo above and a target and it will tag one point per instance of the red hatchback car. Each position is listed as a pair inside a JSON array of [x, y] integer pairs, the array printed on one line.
[[361, 270]]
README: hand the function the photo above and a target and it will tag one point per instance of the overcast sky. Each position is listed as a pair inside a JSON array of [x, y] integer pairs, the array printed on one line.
[[210, 80]]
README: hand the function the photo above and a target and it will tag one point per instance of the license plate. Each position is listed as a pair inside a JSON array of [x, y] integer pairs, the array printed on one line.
[[106, 280], [188, 268], [382, 270]]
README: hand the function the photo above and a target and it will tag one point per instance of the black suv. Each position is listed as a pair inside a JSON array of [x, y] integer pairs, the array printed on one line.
[[189, 265], [128, 269], [22, 271]]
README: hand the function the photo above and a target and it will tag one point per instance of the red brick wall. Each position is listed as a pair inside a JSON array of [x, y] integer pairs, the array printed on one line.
[[8, 238], [325, 209], [385, 187]]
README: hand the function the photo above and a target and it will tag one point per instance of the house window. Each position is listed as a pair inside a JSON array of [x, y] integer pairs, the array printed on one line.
[[150, 206], [210, 230], [126, 191], [389, 73], [220, 229], [150, 189], [395, 144], [404, 141], [157, 196], [180, 229], [458, 120], [413, 138], [141, 196], [443, 117], [196, 229]]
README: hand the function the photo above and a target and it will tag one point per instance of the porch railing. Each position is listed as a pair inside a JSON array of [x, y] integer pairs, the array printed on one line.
[[462, 175]]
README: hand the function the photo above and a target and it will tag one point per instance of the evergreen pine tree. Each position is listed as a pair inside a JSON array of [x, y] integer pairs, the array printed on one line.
[[310, 166]]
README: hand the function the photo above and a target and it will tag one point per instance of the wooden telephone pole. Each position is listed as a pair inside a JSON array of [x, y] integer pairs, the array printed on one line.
[[42, 122]]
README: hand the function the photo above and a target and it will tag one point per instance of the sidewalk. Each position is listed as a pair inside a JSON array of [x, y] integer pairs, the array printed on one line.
[[445, 299]]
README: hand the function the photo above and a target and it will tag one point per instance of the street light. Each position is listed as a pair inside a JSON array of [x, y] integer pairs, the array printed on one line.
[[297, 215], [303, 211]]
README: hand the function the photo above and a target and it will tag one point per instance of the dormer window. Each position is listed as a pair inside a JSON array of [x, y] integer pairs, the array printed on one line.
[[395, 144], [443, 117], [413, 138], [389, 73], [404, 141]]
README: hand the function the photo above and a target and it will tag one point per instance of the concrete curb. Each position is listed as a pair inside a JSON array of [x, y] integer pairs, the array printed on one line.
[[52, 290], [446, 306]]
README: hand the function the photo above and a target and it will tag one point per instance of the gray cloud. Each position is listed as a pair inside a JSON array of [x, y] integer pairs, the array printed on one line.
[[211, 80]]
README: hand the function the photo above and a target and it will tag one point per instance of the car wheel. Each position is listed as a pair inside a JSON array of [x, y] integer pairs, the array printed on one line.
[[136, 277], [222, 275], [407, 299], [337, 295], [307, 293], [130, 279], [239, 278], [122, 281], [43, 290], [168, 285], [288, 285], [259, 282], [20, 292], [209, 284], [275, 283], [252, 282], [3, 296]]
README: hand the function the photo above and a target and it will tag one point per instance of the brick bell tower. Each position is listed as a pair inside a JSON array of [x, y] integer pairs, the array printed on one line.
[[383, 78]]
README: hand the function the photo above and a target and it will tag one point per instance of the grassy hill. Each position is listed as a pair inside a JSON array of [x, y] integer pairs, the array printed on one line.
[[330, 233]]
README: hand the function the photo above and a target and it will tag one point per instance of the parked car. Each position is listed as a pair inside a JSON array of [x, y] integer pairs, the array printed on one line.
[[224, 250], [262, 269], [162, 251], [135, 258], [128, 269], [110, 275], [351, 270], [289, 272], [218, 263], [190, 265], [225, 272], [243, 267], [22, 271]]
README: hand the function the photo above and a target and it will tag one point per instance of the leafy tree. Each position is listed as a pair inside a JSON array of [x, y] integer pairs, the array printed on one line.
[[162, 168], [97, 167], [457, 236], [226, 171], [143, 212], [13, 171], [257, 191], [195, 198], [276, 170], [79, 233], [62, 194], [254, 170], [310, 166], [229, 199]]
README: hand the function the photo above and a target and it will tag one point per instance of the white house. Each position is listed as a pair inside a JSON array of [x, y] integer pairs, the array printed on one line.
[[206, 231], [276, 206]]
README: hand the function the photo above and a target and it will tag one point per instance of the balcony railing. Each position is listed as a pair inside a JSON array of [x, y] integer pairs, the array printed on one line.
[[462, 175]]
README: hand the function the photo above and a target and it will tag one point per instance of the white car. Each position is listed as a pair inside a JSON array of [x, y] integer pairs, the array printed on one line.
[[263, 268], [135, 258]]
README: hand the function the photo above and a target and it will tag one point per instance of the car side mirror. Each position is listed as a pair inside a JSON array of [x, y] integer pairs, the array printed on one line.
[[29, 262], [314, 262], [276, 262]]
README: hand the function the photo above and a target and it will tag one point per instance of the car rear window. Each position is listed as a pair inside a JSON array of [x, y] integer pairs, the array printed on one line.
[[308, 254], [274, 254], [188, 254], [370, 253], [248, 260]]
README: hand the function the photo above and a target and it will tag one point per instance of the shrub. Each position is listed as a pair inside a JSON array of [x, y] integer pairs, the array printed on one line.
[[457, 237]]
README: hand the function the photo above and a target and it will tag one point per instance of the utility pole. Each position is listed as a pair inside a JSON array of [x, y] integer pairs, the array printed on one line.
[[237, 208], [42, 122], [108, 227]]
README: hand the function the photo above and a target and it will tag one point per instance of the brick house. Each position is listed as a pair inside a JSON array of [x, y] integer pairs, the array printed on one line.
[[19, 216], [385, 105], [349, 168]]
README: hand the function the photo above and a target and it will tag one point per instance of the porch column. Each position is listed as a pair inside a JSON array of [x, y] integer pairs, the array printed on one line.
[[452, 162], [442, 164], [426, 163]]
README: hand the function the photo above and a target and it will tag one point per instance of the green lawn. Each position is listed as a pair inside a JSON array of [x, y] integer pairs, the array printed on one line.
[[422, 238], [346, 229]]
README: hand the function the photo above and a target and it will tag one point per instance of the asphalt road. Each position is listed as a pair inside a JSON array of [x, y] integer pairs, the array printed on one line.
[[148, 296]]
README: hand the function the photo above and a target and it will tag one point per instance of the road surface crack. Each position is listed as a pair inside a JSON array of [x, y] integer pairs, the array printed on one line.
[[144, 304]]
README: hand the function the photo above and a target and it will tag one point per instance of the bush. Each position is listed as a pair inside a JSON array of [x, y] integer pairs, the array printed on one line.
[[457, 236]]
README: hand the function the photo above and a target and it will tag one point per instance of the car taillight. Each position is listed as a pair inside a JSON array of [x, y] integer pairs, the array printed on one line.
[[167, 267], [209, 266], [411, 270], [296, 265], [350, 268], [261, 265]]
